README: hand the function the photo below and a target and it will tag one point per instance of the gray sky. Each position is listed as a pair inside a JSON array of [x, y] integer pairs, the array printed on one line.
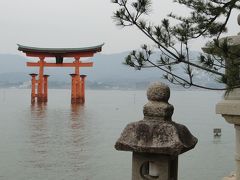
[[75, 23]]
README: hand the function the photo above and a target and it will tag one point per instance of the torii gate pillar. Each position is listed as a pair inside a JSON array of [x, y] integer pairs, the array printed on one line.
[[45, 88], [82, 97], [42, 88], [74, 89], [33, 94], [78, 89]]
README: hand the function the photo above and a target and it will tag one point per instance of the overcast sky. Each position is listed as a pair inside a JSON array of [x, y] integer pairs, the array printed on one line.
[[75, 23]]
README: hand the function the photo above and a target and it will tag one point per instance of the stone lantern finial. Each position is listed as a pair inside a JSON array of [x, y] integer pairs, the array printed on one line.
[[158, 107]]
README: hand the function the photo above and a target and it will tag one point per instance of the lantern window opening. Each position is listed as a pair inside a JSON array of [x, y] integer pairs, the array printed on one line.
[[148, 170]]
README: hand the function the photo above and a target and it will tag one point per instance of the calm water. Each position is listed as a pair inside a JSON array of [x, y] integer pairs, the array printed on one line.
[[63, 142]]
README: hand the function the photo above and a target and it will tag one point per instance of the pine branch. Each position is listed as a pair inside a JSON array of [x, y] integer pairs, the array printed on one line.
[[202, 22]]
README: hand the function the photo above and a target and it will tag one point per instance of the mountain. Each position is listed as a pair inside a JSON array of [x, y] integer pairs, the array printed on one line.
[[12, 63], [108, 70]]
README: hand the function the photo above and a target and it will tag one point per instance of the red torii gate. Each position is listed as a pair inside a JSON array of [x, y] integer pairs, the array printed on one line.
[[78, 81]]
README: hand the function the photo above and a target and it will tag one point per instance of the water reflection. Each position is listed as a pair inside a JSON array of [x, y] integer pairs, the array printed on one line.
[[77, 111], [78, 154], [39, 137], [77, 116], [38, 110], [217, 140], [59, 140]]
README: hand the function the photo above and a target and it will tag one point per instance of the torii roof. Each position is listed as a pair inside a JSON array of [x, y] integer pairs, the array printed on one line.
[[59, 51]]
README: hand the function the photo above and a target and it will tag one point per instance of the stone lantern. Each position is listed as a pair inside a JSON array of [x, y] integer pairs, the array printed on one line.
[[229, 108], [156, 141]]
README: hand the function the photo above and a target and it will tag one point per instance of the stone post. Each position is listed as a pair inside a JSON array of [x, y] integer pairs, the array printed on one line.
[[156, 141], [229, 108]]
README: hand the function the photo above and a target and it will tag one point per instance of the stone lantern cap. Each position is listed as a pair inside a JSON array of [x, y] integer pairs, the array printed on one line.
[[233, 43], [156, 133]]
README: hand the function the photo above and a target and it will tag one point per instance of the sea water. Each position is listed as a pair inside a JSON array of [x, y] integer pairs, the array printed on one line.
[[60, 141]]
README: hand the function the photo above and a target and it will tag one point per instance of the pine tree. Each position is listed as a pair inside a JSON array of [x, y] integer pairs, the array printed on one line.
[[207, 18]]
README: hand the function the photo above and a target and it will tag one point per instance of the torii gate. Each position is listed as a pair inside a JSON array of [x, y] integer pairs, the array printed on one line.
[[78, 81]]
